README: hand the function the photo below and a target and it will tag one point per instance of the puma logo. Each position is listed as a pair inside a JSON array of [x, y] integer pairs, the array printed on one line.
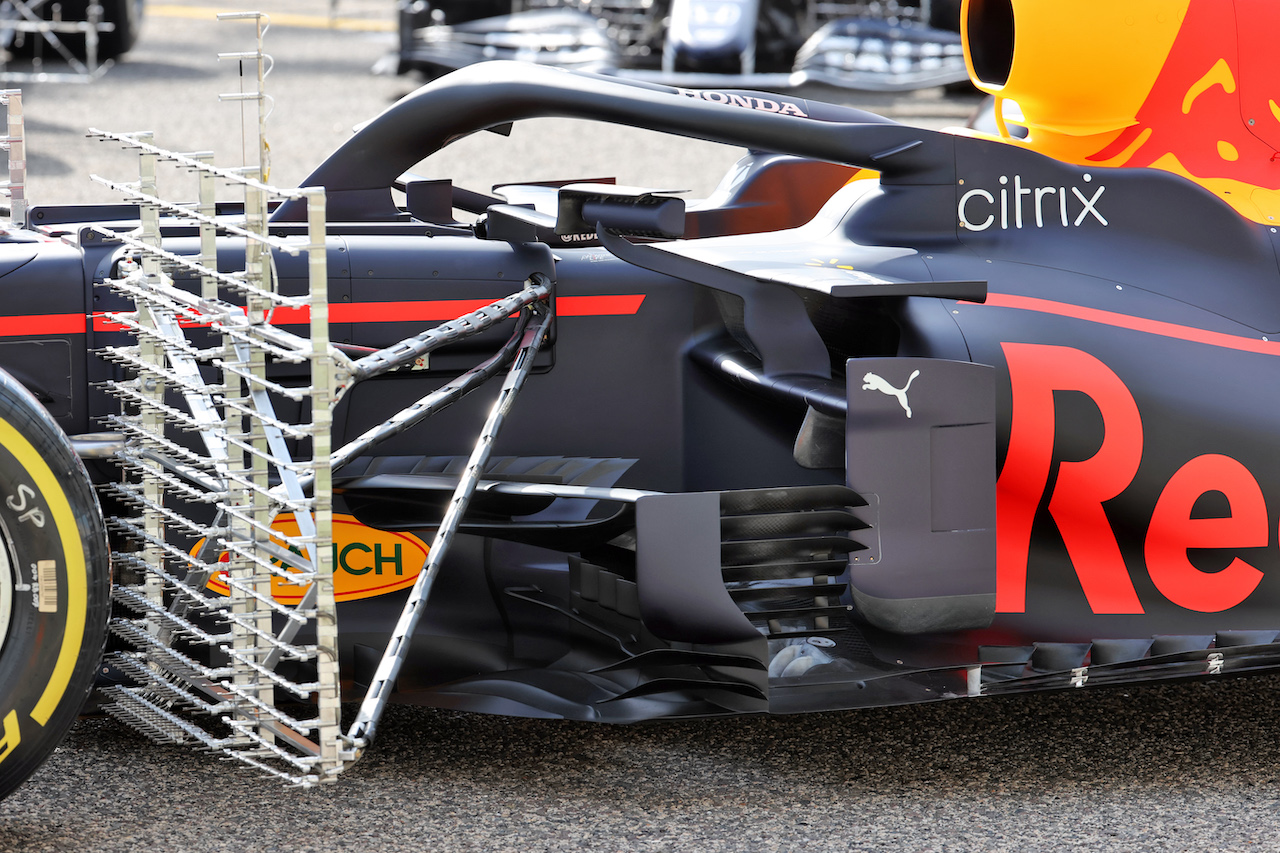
[[872, 382]]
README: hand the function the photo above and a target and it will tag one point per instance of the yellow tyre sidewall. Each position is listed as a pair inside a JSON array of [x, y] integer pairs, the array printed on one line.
[[51, 529]]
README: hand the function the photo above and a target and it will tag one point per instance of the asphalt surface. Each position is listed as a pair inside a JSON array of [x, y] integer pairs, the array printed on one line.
[[1186, 768], [1181, 767]]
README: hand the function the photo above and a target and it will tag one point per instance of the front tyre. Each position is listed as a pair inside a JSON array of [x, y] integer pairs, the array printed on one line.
[[55, 585]]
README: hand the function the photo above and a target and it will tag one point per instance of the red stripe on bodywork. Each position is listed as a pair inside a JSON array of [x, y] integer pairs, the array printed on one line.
[[42, 324], [448, 309], [1137, 324], [599, 306], [438, 310], [401, 312]]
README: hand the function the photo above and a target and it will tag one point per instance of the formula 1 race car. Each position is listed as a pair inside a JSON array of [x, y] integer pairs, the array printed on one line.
[[896, 415], [777, 45], [78, 33]]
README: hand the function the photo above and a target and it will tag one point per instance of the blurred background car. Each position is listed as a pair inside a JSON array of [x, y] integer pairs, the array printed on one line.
[[775, 45], [82, 34]]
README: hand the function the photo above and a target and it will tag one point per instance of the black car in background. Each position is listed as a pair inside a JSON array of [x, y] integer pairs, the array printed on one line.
[[763, 44]]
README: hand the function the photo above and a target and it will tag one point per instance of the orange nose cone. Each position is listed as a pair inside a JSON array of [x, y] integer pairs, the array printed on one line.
[[1081, 68]]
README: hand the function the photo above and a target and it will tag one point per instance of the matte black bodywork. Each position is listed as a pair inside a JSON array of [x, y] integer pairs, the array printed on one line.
[[986, 422]]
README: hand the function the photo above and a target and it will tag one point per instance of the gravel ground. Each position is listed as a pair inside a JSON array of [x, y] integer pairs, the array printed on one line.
[[1187, 767]]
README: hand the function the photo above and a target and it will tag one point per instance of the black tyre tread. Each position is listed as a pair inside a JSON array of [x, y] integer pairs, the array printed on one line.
[[32, 669], [127, 16]]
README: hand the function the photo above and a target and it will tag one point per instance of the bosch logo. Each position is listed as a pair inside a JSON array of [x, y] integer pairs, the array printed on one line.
[[366, 561]]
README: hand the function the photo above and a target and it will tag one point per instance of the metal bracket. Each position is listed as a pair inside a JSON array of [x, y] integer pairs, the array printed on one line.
[[209, 456], [1215, 663], [14, 143]]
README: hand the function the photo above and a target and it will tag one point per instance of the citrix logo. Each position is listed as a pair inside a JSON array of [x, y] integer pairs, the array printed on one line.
[[1028, 202]]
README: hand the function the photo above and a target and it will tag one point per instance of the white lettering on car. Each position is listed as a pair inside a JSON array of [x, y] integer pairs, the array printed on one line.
[[749, 101], [977, 202]]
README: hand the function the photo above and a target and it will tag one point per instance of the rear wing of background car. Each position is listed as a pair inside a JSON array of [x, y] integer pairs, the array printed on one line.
[[770, 45]]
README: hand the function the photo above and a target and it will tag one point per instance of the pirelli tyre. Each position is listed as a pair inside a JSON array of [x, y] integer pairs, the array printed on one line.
[[54, 585]]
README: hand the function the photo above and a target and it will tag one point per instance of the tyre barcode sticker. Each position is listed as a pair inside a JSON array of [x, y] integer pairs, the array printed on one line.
[[47, 576]]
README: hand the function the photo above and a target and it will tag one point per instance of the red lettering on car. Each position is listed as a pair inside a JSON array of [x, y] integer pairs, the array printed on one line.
[[1173, 531], [1036, 371]]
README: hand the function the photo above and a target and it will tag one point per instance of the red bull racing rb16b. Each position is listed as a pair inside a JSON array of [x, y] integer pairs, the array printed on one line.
[[896, 415]]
